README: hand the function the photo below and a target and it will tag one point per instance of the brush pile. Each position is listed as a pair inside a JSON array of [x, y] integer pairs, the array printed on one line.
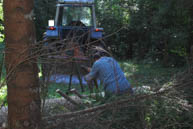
[[168, 107]]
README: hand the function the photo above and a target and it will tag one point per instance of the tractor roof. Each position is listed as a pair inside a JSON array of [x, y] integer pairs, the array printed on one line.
[[76, 1]]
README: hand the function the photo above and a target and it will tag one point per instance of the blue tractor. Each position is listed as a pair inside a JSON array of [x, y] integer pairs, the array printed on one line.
[[71, 38], [75, 21]]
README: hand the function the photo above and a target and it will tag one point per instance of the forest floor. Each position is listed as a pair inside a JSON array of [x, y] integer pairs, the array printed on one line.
[[138, 74]]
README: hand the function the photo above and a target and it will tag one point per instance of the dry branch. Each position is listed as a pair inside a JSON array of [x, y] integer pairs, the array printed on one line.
[[67, 98], [116, 103], [101, 107]]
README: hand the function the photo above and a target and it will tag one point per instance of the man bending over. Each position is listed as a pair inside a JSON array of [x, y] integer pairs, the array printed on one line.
[[108, 71]]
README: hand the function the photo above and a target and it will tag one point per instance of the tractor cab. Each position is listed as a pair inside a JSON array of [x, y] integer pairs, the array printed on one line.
[[74, 18], [74, 14]]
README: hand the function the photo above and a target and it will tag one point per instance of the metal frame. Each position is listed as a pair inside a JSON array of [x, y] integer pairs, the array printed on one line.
[[76, 1], [94, 16], [85, 5], [57, 14]]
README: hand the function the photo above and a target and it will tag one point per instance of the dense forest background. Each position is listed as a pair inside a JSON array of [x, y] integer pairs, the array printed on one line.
[[158, 35], [141, 29]]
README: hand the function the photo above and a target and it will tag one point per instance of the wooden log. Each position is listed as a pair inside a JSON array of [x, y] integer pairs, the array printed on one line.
[[116, 103], [67, 97], [74, 91]]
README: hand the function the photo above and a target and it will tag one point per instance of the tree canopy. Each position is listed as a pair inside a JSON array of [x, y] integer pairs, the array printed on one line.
[[142, 29]]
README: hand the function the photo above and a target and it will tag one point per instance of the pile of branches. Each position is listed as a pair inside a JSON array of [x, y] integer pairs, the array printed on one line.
[[169, 106]]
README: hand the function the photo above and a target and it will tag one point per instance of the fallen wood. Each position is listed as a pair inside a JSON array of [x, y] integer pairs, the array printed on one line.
[[97, 108], [118, 103], [67, 97], [76, 93]]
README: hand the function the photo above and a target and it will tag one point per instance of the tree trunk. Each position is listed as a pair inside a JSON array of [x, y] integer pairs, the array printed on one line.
[[21, 69], [190, 47], [191, 55], [166, 54]]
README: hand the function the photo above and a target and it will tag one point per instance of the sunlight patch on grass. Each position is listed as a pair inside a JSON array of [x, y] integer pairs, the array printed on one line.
[[128, 68], [139, 74]]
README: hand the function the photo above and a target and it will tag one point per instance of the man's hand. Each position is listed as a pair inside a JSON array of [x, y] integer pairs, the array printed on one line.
[[87, 69]]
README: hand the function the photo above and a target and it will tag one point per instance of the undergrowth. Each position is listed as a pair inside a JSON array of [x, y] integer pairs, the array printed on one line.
[[169, 107], [138, 74]]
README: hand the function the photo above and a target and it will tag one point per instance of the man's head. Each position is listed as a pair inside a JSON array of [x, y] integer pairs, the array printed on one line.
[[97, 56]]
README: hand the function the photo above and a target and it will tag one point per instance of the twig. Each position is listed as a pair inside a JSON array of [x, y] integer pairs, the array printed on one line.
[[112, 104], [67, 97], [76, 93], [94, 109]]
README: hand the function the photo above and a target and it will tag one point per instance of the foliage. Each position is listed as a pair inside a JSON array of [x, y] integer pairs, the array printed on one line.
[[3, 90], [113, 16], [142, 29], [3, 94], [44, 11], [152, 29], [162, 29]]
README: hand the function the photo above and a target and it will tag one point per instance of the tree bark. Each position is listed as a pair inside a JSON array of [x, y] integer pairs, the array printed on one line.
[[191, 35], [21, 69], [189, 46], [165, 54]]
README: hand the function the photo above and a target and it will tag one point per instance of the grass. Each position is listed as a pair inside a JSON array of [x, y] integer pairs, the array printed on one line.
[[138, 74], [152, 74], [52, 87]]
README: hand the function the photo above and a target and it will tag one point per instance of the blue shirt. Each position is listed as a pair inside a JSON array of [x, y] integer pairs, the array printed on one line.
[[108, 71]]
